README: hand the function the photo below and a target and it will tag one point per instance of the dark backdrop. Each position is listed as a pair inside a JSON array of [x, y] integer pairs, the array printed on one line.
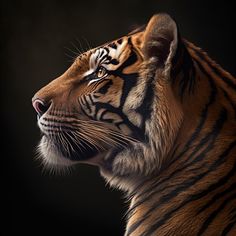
[[34, 38]]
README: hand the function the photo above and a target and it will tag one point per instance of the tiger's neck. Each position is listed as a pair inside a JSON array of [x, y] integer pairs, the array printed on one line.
[[196, 192]]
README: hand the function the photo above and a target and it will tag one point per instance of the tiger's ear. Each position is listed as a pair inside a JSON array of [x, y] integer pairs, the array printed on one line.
[[160, 41]]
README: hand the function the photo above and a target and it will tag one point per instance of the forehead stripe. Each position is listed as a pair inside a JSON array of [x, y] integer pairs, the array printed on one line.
[[112, 45], [109, 54], [101, 53], [103, 58]]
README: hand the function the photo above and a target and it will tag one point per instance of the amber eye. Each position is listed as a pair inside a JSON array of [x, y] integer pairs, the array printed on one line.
[[101, 72]]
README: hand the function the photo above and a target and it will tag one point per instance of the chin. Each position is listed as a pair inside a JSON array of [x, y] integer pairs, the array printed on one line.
[[51, 155], [119, 166], [55, 155], [126, 168]]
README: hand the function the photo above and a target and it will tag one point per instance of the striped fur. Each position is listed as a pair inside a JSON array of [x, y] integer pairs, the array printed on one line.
[[158, 117]]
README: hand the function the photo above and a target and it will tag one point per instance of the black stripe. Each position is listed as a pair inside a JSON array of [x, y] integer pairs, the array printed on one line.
[[103, 90], [137, 132], [118, 124], [81, 101], [90, 99], [130, 60], [229, 99], [227, 80], [129, 83], [55, 114], [214, 214], [119, 41], [59, 127], [54, 119], [215, 69], [228, 228], [103, 57], [112, 45], [145, 108], [107, 49], [187, 81], [130, 80], [87, 104], [197, 131], [217, 197], [185, 185], [98, 56], [212, 135], [85, 113], [114, 62], [203, 117], [201, 194], [103, 114], [190, 199], [111, 61]]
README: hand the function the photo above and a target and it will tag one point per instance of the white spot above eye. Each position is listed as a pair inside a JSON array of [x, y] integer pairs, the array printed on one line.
[[89, 72], [116, 53], [94, 80]]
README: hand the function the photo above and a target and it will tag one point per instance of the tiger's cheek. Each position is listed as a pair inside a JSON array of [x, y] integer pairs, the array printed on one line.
[[110, 92]]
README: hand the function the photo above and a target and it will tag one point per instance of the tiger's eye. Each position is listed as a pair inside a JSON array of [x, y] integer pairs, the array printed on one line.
[[101, 72]]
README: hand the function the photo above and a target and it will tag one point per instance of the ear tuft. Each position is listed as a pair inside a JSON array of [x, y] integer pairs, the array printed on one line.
[[160, 40]]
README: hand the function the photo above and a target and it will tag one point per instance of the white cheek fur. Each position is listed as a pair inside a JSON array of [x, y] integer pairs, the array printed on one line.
[[50, 156]]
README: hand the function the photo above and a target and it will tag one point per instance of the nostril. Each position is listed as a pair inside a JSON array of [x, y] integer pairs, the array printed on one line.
[[40, 107]]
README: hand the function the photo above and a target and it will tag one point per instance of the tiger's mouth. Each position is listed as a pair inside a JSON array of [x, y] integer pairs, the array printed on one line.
[[63, 145]]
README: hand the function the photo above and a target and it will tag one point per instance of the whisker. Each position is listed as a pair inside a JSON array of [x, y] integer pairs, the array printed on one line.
[[91, 142], [70, 50], [74, 138], [107, 139], [71, 58], [76, 48], [111, 132], [80, 45], [63, 140]]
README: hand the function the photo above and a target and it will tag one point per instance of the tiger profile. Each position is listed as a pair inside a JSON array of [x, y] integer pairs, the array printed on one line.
[[158, 116]]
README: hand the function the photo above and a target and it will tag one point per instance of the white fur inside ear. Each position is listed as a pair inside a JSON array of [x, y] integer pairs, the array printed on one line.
[[173, 48]]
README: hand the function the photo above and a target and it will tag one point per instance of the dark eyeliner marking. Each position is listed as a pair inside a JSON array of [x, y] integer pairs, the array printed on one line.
[[120, 41]]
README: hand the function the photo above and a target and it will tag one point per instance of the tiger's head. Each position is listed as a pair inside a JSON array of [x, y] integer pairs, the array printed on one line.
[[115, 106]]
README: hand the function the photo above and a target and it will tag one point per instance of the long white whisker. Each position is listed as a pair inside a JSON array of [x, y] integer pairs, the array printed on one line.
[[118, 136], [90, 142]]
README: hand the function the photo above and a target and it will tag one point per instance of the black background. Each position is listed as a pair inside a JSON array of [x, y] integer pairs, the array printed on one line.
[[34, 37]]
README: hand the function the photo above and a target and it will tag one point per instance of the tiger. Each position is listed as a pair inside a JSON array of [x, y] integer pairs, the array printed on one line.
[[157, 116]]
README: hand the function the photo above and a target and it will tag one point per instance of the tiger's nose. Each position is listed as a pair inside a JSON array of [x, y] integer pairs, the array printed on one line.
[[40, 106]]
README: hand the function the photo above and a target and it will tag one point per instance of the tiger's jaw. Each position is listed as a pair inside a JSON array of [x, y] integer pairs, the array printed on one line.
[[90, 142], [110, 161], [50, 155], [54, 154]]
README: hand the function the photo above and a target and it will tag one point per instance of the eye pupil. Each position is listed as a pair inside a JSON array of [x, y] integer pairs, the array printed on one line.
[[101, 72]]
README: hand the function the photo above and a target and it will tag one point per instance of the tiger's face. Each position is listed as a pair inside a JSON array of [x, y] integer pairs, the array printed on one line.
[[112, 108]]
